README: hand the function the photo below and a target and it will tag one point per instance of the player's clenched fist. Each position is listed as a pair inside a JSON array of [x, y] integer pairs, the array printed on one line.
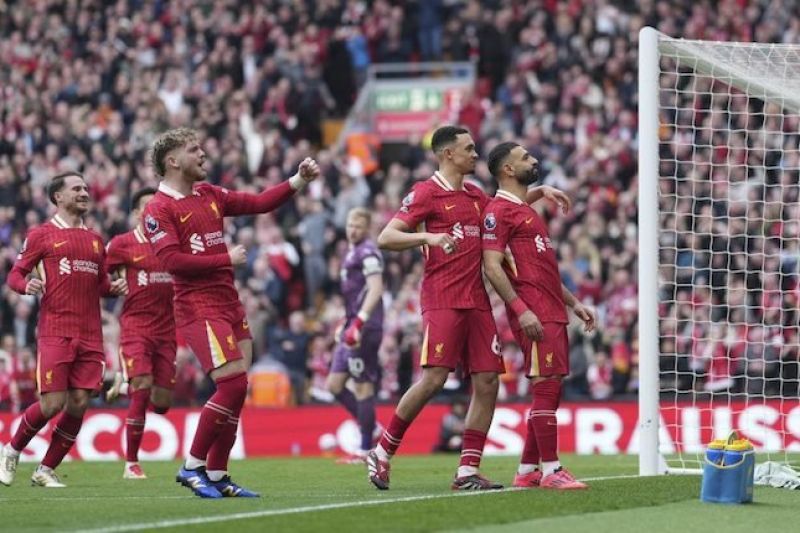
[[308, 170], [34, 286], [238, 255], [445, 241]]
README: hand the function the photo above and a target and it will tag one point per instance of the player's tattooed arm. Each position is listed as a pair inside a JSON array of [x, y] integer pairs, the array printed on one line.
[[493, 268]]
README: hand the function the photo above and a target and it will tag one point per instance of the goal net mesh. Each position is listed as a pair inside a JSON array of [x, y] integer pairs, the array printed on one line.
[[729, 247]]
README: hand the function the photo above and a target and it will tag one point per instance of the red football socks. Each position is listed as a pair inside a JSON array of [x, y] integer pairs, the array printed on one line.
[[393, 436], [472, 448], [134, 423], [546, 397], [31, 423], [215, 420], [64, 435]]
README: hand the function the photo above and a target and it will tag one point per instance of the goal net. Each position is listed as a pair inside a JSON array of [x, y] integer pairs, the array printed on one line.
[[719, 251]]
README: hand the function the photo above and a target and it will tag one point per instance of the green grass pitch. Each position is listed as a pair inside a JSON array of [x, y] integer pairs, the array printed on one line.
[[317, 495]]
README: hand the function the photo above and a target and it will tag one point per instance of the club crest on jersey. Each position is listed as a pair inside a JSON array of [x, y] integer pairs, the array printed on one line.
[[96, 247], [151, 224], [490, 222]]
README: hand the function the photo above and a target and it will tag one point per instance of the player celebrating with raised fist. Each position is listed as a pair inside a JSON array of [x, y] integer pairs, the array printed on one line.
[[457, 322], [184, 224], [536, 301]]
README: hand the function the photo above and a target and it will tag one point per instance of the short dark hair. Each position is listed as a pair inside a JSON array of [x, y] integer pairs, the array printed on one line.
[[57, 183], [445, 136], [498, 156], [138, 195]]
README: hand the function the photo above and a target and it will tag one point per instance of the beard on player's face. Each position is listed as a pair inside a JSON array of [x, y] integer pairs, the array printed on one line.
[[528, 176]]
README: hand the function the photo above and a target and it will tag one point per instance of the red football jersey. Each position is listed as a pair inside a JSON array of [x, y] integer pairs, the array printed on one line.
[[509, 224], [451, 281], [147, 311], [71, 263], [194, 225]]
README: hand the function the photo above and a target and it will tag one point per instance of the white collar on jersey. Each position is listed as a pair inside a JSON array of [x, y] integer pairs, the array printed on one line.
[[440, 180], [140, 238], [172, 193], [60, 223], [505, 195]]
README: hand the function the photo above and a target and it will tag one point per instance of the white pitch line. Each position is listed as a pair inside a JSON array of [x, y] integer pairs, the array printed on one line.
[[305, 509], [98, 498]]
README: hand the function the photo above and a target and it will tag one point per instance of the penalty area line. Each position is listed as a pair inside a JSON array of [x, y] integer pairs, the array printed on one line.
[[278, 512], [200, 520]]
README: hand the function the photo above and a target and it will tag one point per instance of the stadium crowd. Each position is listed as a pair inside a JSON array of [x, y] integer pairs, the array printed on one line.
[[88, 85]]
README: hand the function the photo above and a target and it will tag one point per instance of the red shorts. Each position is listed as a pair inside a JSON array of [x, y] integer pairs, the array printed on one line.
[[69, 363], [461, 336], [214, 339], [142, 356], [549, 356]]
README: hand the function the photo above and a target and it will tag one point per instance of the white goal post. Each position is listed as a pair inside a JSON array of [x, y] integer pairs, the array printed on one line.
[[719, 248]]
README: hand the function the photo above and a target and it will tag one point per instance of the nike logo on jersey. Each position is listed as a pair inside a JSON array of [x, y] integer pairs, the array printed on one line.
[[59, 244], [186, 217], [449, 207], [137, 258], [528, 221]]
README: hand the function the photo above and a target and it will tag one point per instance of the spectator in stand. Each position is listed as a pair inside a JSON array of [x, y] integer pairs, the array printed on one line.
[[290, 346]]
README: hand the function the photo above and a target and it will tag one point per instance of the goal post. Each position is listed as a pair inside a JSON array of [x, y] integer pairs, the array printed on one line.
[[719, 249]]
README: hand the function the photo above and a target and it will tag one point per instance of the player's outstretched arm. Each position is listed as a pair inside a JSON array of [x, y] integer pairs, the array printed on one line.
[[397, 236], [178, 262], [241, 203], [550, 193], [493, 267]]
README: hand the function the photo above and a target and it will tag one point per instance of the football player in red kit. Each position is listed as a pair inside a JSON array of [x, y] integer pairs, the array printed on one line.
[[147, 332], [69, 262], [520, 261], [184, 224]]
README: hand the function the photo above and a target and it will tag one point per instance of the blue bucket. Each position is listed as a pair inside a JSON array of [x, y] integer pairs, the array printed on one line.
[[728, 476]]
